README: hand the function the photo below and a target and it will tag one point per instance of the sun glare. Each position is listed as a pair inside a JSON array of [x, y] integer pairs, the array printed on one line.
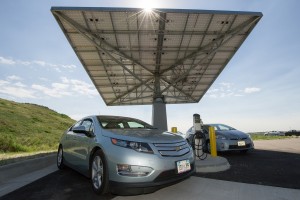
[[148, 9], [148, 5]]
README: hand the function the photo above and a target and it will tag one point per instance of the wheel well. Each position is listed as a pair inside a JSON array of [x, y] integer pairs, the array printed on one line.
[[96, 148], [92, 153]]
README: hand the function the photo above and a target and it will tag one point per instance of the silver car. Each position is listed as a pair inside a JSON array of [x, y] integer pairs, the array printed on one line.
[[276, 133], [123, 155], [227, 138]]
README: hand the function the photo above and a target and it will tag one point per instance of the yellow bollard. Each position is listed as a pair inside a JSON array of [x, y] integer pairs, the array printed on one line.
[[174, 129], [213, 143]]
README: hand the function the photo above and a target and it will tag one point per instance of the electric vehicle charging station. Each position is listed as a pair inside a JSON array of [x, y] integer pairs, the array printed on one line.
[[206, 162], [199, 138]]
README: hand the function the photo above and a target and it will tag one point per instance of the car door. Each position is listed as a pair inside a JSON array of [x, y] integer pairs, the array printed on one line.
[[82, 144], [68, 144]]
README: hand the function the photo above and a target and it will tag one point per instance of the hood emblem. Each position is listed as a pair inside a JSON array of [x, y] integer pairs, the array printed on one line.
[[178, 148]]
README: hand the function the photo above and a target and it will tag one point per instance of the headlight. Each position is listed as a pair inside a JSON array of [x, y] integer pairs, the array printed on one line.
[[137, 146], [221, 137]]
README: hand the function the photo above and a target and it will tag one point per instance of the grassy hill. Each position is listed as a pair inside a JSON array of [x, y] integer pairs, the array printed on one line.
[[28, 127]]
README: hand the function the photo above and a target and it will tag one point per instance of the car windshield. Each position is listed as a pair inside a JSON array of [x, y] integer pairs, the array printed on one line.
[[222, 127], [114, 122]]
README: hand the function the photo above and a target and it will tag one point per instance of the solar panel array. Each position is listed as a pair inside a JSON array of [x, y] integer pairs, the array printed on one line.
[[133, 56]]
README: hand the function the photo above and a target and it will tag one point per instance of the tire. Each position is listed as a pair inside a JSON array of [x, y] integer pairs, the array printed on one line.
[[60, 158], [99, 173]]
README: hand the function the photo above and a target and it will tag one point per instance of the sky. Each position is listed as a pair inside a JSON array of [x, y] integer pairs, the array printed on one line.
[[259, 89]]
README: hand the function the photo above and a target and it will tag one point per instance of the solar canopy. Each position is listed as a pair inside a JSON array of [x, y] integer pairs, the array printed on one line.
[[134, 56]]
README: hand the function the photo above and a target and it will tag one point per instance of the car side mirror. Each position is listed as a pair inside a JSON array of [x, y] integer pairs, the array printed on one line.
[[81, 129]]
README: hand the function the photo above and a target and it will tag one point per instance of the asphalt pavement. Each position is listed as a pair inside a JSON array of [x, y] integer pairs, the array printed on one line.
[[251, 176], [261, 167]]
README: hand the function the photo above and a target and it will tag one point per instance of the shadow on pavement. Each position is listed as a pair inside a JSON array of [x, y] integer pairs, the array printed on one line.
[[261, 167], [257, 167], [61, 185]]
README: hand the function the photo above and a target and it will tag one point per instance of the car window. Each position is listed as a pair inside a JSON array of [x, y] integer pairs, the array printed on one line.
[[88, 124], [135, 125], [222, 127], [76, 125], [120, 125], [110, 122]]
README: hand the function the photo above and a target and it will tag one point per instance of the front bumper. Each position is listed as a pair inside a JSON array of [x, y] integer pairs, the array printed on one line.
[[232, 145], [163, 170], [164, 179]]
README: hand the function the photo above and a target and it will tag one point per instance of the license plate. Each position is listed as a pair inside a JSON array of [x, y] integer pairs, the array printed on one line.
[[241, 143], [183, 166]]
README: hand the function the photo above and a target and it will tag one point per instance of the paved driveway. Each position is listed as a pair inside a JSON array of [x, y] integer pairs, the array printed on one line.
[[272, 163]]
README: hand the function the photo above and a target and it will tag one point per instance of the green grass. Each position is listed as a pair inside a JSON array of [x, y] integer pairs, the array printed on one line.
[[261, 136], [29, 127]]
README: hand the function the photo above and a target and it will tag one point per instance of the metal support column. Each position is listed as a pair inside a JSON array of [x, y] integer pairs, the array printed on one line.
[[159, 114]]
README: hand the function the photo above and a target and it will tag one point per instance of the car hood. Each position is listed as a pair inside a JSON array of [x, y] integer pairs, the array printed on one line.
[[233, 134], [143, 135]]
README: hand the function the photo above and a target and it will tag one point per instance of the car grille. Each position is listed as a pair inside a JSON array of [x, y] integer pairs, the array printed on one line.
[[176, 149], [239, 147], [238, 138]]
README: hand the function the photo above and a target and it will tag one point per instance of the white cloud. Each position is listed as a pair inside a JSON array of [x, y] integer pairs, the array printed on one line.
[[17, 92], [224, 89], [251, 90], [80, 87], [6, 61], [56, 67], [67, 87], [69, 66], [2, 82], [19, 84], [227, 85], [212, 91], [41, 63], [54, 91], [14, 87], [26, 63], [14, 78], [60, 86]]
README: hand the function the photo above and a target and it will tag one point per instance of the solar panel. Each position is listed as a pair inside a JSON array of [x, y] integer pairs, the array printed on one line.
[[133, 56]]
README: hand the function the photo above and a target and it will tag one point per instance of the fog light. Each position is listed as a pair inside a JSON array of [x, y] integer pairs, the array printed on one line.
[[124, 168], [133, 170]]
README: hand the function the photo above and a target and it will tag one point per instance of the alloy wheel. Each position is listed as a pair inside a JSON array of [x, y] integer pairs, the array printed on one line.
[[97, 172]]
